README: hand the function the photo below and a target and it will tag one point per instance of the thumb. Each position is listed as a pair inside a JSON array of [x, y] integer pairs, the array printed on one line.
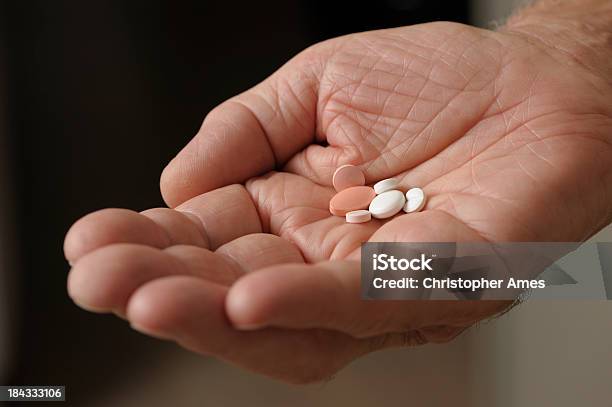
[[249, 134]]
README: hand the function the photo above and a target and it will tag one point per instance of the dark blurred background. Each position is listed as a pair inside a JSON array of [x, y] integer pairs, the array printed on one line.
[[97, 97]]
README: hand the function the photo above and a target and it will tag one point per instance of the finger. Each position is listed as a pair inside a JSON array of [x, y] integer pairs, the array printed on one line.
[[318, 163], [277, 296], [103, 280], [110, 226], [159, 227], [180, 227], [259, 250], [191, 312], [328, 295], [224, 214], [249, 134]]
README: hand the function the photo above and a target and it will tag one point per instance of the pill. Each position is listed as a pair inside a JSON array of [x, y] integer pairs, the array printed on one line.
[[347, 176], [386, 185], [351, 199], [387, 204], [415, 200], [361, 216]]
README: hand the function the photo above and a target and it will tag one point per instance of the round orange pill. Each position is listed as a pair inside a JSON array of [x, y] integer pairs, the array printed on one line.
[[351, 199], [347, 176]]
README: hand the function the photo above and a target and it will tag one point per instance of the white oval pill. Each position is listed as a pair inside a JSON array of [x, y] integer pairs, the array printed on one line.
[[415, 200], [387, 204], [386, 185], [361, 216]]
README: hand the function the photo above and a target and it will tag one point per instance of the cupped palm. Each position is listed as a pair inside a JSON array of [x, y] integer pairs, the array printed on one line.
[[509, 138]]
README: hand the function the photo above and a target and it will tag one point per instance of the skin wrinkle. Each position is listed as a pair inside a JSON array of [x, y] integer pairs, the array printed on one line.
[[540, 156], [236, 268], [287, 231], [267, 212], [304, 163], [539, 40], [458, 219], [433, 121], [420, 92], [296, 100], [460, 57], [529, 98], [255, 194], [473, 175], [455, 213], [324, 235], [262, 131], [390, 66], [392, 92], [494, 144], [484, 195], [517, 160], [342, 249], [357, 155], [450, 145], [516, 148], [383, 140], [330, 240], [473, 147], [199, 226], [437, 51], [488, 159], [415, 73], [382, 152]]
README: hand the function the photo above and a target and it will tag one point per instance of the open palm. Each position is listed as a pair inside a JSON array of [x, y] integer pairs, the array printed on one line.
[[508, 137]]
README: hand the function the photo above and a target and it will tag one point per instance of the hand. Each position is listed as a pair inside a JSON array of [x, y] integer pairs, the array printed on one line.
[[509, 137]]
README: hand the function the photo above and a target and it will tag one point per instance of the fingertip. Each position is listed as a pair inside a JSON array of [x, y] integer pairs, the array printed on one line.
[[144, 314], [173, 307], [324, 295], [245, 303], [78, 301], [104, 280], [159, 308], [259, 299], [172, 186], [79, 291]]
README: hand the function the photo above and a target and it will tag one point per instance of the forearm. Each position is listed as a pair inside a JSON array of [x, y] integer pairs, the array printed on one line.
[[581, 29]]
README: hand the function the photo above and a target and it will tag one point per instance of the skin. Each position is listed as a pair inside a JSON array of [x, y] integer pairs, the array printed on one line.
[[509, 136]]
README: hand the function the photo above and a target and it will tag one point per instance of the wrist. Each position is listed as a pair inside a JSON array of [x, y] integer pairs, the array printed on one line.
[[580, 30]]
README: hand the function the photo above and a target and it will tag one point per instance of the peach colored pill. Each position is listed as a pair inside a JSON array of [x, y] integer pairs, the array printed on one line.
[[351, 199], [361, 216], [347, 176]]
